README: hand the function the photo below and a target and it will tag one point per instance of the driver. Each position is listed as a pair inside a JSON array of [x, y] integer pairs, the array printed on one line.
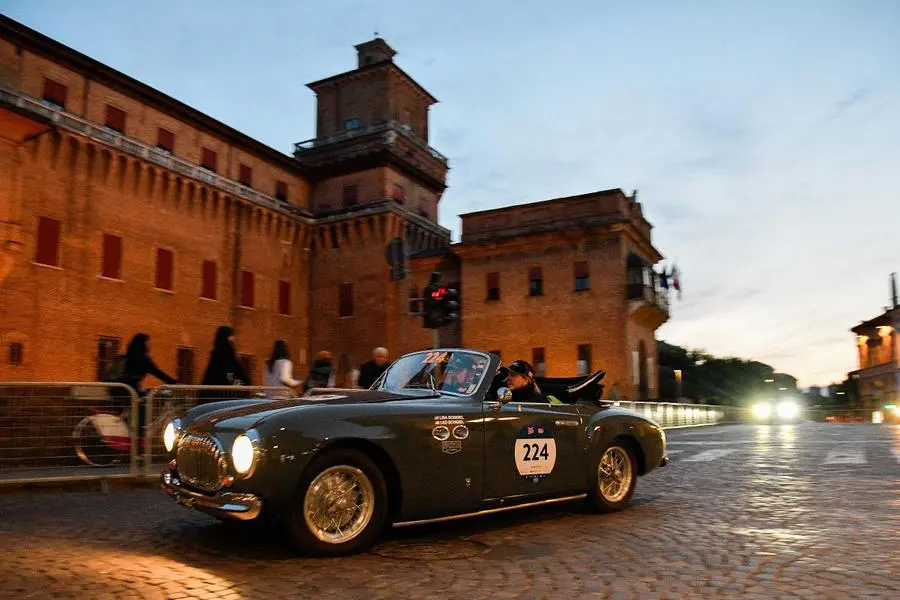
[[520, 380]]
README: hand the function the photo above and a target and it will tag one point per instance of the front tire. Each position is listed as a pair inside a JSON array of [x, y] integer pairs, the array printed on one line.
[[340, 506], [614, 478]]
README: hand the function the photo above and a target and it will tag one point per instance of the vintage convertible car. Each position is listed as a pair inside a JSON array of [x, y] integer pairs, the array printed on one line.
[[437, 437]]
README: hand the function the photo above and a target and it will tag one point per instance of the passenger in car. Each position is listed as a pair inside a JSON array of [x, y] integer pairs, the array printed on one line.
[[520, 380]]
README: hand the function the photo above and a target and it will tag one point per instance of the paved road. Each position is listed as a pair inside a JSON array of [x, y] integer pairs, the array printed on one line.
[[805, 511]]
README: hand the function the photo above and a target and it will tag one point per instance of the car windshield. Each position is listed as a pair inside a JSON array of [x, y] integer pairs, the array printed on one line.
[[456, 372]]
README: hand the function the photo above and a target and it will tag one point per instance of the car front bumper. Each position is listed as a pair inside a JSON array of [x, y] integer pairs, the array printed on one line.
[[230, 505]]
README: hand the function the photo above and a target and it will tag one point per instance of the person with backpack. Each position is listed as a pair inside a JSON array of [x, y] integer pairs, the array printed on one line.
[[131, 369]]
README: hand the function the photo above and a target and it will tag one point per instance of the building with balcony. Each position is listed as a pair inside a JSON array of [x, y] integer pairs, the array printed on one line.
[[568, 285], [878, 376], [123, 210]]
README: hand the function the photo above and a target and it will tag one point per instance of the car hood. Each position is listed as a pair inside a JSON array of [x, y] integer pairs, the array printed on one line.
[[244, 414]]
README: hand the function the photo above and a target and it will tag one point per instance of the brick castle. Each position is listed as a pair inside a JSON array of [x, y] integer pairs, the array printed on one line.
[[124, 210]]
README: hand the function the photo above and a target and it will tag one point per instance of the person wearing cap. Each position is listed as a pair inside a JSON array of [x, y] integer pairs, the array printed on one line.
[[520, 380]]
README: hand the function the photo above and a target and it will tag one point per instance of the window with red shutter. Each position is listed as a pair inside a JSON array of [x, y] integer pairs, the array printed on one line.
[[399, 193], [209, 160], [165, 140], [165, 262], [246, 176], [350, 197], [112, 256], [47, 250], [208, 289], [582, 276], [346, 300], [535, 282], [493, 286], [281, 191], [284, 297], [55, 92], [115, 118], [247, 289]]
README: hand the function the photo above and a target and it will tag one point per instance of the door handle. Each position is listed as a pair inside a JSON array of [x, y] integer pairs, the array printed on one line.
[[564, 423]]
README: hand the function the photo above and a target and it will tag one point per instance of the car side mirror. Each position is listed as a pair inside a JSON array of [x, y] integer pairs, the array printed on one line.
[[504, 395]]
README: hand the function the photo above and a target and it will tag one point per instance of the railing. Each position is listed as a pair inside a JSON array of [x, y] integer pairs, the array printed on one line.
[[672, 415], [643, 284], [349, 134], [64, 430], [142, 150], [75, 431]]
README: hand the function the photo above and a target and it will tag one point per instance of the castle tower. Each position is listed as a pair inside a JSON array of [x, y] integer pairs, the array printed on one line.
[[376, 179]]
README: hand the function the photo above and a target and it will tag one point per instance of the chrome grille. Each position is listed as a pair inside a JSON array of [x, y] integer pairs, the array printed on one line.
[[201, 462]]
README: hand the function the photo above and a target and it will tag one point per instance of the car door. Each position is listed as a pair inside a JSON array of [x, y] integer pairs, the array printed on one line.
[[531, 449]]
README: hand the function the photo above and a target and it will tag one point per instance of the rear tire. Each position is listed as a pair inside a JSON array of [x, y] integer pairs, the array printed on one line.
[[340, 506], [614, 477]]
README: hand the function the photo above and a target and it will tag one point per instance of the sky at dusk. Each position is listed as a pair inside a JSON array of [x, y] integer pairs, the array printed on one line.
[[763, 137]]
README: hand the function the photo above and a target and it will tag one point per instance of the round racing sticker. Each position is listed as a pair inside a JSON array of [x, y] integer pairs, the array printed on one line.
[[535, 452]]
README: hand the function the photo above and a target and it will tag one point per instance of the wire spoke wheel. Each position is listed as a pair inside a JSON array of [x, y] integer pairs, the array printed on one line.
[[339, 504], [614, 474]]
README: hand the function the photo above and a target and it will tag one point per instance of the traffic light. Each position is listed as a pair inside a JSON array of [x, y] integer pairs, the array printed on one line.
[[440, 304], [431, 306]]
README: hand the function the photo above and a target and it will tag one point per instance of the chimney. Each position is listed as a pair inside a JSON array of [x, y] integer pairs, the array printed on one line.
[[893, 290], [373, 52]]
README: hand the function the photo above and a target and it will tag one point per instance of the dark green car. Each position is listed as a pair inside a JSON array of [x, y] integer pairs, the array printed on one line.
[[437, 437]]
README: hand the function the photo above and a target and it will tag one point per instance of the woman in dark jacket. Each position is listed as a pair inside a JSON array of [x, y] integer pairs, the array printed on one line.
[[138, 364], [224, 367]]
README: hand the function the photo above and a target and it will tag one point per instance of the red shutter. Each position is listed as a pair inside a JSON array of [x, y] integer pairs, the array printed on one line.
[[247, 289], [346, 300], [47, 251], [493, 280], [246, 175], [209, 280], [164, 264], [112, 256], [115, 118], [209, 159], [581, 269], [165, 139], [281, 191], [535, 274], [350, 195], [284, 297], [55, 92]]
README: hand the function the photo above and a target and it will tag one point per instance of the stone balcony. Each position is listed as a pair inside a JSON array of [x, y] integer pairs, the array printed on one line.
[[390, 138]]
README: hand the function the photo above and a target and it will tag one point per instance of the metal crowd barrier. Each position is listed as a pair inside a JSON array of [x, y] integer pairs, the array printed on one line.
[[166, 402], [66, 430], [69, 431], [671, 415]]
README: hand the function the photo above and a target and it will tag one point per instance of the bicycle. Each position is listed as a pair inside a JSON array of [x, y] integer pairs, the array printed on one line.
[[103, 438]]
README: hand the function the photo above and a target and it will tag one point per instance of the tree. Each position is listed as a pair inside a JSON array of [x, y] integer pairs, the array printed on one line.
[[715, 380]]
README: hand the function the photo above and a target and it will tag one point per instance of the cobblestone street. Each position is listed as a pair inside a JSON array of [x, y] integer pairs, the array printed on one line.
[[803, 511]]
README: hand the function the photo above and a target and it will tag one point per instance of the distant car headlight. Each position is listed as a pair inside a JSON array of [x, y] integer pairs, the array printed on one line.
[[170, 434], [762, 410], [243, 452], [788, 409]]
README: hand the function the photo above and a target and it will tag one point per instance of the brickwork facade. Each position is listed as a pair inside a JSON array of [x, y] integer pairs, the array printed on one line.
[[123, 210]]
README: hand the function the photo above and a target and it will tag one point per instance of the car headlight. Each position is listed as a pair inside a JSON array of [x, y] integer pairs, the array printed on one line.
[[170, 434], [243, 453], [788, 409], [762, 410]]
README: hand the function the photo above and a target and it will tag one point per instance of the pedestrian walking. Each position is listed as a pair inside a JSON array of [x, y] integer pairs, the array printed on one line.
[[372, 370], [279, 369], [321, 374], [224, 368]]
